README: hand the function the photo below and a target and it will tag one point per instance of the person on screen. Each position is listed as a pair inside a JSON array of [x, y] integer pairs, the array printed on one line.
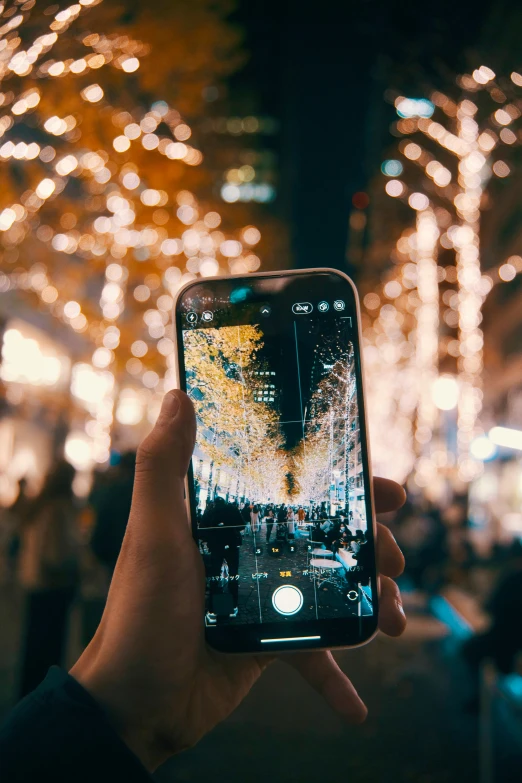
[[245, 515], [224, 541], [282, 514], [269, 521], [333, 536], [254, 519], [291, 522], [317, 535], [358, 541], [364, 557]]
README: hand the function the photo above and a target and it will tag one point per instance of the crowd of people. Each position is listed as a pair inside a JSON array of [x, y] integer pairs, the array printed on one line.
[[224, 526], [257, 517], [147, 687], [56, 550]]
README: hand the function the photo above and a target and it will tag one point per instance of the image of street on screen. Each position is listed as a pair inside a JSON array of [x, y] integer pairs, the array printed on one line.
[[278, 472]]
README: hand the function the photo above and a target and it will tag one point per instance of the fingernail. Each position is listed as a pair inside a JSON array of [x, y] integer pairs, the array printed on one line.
[[400, 607], [170, 404]]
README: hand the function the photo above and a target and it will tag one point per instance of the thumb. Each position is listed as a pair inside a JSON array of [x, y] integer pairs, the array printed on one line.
[[161, 466]]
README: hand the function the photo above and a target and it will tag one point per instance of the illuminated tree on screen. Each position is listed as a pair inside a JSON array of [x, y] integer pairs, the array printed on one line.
[[236, 431]]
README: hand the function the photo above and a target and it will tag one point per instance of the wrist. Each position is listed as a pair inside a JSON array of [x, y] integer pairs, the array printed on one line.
[[141, 740], [143, 744]]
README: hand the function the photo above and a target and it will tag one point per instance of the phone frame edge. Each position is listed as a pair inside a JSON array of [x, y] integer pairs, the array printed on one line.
[[279, 273]]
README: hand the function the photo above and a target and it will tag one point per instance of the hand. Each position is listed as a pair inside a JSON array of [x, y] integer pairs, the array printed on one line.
[[148, 664]]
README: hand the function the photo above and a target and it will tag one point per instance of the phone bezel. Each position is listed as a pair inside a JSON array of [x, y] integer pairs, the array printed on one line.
[[239, 639]]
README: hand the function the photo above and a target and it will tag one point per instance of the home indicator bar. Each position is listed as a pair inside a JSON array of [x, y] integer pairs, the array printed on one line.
[[291, 639]]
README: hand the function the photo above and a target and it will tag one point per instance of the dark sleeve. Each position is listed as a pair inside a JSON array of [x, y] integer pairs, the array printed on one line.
[[233, 518], [238, 519], [59, 733]]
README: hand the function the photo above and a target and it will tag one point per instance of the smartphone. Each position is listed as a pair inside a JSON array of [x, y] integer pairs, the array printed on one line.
[[279, 489]]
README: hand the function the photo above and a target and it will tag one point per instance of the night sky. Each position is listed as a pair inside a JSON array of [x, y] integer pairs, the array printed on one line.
[[280, 353], [322, 72]]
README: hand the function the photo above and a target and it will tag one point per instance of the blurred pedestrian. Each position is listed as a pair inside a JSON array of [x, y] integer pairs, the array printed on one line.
[[434, 553], [49, 561], [13, 519], [413, 531], [503, 640], [110, 499], [101, 479], [112, 512], [461, 556], [326, 526]]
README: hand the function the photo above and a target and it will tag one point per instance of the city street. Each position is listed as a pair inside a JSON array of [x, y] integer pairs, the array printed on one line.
[[262, 260], [416, 730]]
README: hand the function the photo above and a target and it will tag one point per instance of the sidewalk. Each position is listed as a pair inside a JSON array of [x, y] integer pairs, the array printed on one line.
[[415, 732], [11, 610], [500, 717]]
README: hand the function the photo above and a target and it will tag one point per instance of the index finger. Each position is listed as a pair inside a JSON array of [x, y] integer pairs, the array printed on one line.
[[389, 496], [322, 672]]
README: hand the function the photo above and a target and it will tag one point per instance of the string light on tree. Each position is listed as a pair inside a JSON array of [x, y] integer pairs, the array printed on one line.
[[111, 198], [427, 327], [452, 128]]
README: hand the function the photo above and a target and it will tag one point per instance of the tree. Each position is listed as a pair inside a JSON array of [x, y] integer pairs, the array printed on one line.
[[452, 166], [107, 207]]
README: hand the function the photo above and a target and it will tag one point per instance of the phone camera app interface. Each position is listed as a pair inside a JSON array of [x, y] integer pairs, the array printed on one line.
[[278, 468]]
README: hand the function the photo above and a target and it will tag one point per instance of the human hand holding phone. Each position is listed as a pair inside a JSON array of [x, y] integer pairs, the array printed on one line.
[[148, 664]]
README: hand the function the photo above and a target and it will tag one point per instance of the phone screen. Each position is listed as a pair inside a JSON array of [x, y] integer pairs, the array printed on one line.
[[279, 482]]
